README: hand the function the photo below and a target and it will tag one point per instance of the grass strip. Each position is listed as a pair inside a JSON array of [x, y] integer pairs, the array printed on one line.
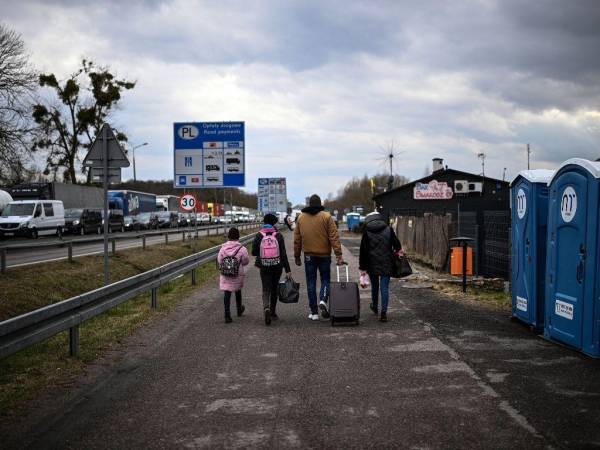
[[25, 375]]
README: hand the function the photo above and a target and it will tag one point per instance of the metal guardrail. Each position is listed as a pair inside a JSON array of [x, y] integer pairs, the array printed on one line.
[[113, 238], [23, 331]]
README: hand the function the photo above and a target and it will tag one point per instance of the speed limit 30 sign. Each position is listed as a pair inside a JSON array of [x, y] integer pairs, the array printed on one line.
[[187, 202]]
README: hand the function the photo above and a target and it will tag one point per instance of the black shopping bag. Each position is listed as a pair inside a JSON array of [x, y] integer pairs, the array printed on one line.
[[288, 291], [401, 267]]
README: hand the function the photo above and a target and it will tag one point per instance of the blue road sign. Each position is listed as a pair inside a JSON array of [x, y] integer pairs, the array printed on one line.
[[209, 154]]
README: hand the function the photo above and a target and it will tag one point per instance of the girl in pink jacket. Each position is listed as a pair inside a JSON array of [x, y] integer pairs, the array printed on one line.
[[229, 284]]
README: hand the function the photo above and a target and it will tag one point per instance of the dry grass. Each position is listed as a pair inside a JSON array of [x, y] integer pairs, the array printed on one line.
[[493, 298]]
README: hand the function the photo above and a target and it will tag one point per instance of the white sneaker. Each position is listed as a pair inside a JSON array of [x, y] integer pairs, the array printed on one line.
[[313, 317], [324, 310]]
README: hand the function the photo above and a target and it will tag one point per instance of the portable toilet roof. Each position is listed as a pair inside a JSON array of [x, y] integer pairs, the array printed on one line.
[[592, 167], [535, 176]]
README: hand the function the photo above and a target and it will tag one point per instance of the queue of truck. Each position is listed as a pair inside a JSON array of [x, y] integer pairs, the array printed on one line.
[[52, 208]]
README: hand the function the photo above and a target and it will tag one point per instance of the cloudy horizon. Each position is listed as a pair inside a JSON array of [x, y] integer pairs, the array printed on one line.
[[323, 86]]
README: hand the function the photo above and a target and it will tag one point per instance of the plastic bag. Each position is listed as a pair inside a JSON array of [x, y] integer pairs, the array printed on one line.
[[364, 280], [288, 291]]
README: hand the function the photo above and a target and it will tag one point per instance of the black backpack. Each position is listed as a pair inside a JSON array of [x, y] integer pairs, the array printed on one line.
[[230, 265]]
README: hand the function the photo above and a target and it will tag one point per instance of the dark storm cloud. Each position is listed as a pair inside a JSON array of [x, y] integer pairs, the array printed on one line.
[[328, 79]]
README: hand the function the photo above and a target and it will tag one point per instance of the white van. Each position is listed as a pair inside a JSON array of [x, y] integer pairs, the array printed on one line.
[[32, 218]]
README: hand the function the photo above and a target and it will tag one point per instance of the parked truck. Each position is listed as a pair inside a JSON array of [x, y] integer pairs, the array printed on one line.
[[72, 195], [132, 202], [167, 203]]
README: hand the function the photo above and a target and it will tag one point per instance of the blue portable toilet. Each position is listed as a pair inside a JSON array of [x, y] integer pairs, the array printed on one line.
[[529, 211], [353, 220], [572, 316]]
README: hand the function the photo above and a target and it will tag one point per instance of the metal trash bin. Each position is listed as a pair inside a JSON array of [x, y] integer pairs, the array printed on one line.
[[529, 222], [572, 316]]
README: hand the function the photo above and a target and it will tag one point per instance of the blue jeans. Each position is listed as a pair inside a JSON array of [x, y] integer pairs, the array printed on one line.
[[384, 281], [312, 264]]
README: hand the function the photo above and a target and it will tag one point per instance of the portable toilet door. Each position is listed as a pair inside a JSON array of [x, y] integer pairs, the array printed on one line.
[[572, 255], [529, 211]]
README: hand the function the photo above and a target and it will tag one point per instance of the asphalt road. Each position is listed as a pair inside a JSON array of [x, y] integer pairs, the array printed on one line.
[[440, 374], [15, 258]]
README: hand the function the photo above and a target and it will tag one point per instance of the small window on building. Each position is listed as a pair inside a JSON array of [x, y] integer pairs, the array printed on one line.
[[48, 210]]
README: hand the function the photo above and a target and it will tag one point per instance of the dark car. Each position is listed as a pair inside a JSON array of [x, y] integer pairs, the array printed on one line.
[[232, 161], [116, 221], [182, 220], [167, 219], [148, 221], [212, 168], [191, 219], [131, 223], [82, 221]]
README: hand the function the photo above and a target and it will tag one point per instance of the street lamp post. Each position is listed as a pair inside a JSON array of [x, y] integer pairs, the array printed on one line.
[[133, 147]]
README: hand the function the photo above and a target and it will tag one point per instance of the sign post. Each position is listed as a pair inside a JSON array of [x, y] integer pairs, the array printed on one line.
[[106, 155], [272, 195], [208, 154]]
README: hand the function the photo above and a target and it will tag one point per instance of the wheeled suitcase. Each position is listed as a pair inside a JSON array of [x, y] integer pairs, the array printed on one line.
[[344, 300]]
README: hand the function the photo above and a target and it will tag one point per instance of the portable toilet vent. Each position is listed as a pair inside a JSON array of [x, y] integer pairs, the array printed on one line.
[[573, 254], [529, 221]]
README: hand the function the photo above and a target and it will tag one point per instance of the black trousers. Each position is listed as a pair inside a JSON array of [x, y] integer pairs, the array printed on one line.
[[270, 280], [227, 301]]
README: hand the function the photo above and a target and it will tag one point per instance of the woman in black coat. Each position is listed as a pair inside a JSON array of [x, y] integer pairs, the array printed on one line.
[[377, 248]]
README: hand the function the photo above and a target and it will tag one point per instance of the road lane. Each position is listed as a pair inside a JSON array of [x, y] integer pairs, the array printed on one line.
[[17, 258]]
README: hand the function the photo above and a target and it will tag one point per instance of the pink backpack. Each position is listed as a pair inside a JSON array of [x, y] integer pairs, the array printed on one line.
[[269, 249]]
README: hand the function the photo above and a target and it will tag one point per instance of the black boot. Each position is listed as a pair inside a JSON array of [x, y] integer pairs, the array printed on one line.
[[228, 318], [274, 315], [238, 302], [383, 317], [373, 308], [267, 316], [240, 310]]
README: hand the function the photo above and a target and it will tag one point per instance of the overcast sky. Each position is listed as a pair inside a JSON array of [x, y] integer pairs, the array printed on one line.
[[324, 85]]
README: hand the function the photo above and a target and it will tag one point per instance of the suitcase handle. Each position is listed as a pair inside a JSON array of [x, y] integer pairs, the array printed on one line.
[[347, 274]]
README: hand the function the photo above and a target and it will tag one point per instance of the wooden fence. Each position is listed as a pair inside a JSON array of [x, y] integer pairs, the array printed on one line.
[[425, 237]]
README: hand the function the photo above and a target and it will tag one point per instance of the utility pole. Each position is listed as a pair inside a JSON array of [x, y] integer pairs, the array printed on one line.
[[482, 157], [528, 153], [504, 175], [133, 147]]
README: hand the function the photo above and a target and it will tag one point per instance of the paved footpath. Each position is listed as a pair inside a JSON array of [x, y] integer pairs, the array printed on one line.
[[439, 374]]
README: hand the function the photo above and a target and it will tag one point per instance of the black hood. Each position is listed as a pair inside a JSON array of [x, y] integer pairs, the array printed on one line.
[[313, 209], [375, 223]]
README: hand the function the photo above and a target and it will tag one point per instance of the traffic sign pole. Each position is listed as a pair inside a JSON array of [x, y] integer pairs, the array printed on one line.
[[105, 188]]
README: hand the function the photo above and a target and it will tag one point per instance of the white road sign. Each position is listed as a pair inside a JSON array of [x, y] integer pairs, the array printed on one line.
[[188, 202]]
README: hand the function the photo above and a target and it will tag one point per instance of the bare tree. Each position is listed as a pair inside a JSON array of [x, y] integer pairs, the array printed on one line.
[[17, 85]]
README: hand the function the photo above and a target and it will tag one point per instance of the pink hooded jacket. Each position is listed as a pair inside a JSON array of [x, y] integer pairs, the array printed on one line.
[[228, 249]]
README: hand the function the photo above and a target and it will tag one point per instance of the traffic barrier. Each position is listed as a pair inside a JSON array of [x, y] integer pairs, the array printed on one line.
[[23, 331], [10, 248]]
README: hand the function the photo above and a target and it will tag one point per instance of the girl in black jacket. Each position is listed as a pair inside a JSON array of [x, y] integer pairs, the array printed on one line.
[[377, 248], [271, 263]]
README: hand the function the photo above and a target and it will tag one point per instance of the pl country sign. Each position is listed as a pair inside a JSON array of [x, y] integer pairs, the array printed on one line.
[[433, 190], [208, 154]]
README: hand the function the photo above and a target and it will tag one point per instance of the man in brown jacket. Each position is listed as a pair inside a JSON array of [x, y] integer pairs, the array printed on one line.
[[316, 235]]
